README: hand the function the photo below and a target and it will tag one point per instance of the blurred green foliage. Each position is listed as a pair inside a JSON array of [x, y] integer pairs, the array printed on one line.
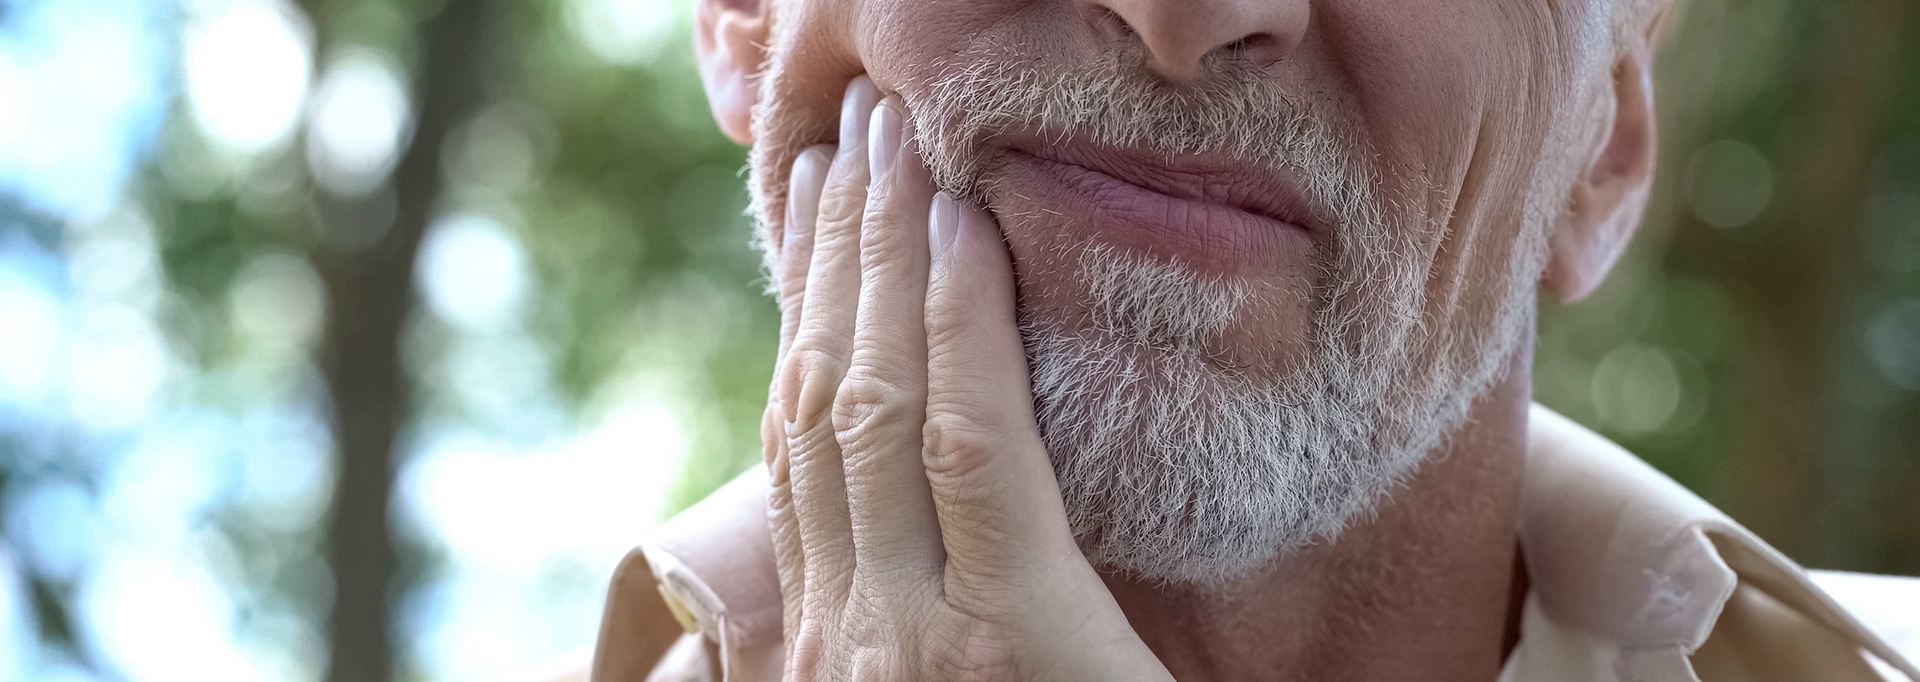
[[1760, 342], [1753, 343]]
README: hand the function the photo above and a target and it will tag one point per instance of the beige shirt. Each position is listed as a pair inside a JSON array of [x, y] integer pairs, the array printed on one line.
[[1632, 578]]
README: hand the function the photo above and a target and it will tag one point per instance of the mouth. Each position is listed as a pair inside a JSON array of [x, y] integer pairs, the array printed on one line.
[[1207, 212]]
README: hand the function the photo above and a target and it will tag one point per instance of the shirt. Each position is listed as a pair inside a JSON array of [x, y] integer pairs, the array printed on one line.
[[1631, 578]]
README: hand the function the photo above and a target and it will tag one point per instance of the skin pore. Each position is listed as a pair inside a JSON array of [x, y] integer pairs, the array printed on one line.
[[1486, 124]]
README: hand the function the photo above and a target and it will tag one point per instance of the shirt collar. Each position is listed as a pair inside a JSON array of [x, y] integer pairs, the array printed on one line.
[[1623, 563], [1619, 553]]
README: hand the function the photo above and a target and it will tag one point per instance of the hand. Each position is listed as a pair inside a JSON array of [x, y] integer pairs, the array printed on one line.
[[916, 520]]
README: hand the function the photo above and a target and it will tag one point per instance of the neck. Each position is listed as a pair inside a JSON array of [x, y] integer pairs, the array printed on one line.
[[1426, 589]]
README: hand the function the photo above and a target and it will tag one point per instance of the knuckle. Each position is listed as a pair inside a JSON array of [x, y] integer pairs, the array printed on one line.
[[865, 402], [874, 420], [957, 445], [814, 377], [782, 519], [771, 438]]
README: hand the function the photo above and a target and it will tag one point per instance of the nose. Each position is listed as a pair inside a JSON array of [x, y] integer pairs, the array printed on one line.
[[1180, 34]]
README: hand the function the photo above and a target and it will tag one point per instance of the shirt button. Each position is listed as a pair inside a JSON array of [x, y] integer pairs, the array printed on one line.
[[679, 609]]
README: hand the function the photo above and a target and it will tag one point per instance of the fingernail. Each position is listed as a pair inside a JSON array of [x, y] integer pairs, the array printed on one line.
[[943, 222], [803, 194], [883, 141], [855, 111]]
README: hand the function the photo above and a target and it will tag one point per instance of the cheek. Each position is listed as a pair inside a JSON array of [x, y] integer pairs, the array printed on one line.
[[907, 45], [900, 40], [1457, 96], [821, 45], [810, 63], [1424, 74]]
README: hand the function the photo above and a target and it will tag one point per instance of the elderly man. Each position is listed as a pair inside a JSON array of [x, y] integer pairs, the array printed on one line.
[[1150, 340]]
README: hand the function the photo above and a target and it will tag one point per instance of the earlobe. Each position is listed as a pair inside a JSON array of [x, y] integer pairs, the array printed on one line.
[[1607, 201], [729, 41]]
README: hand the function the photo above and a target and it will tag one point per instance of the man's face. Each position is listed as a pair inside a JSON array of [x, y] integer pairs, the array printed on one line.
[[1266, 254]]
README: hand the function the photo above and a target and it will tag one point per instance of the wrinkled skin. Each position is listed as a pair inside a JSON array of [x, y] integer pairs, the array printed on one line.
[[957, 563]]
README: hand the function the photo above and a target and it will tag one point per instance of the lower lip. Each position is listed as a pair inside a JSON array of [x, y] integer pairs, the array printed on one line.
[[1202, 235]]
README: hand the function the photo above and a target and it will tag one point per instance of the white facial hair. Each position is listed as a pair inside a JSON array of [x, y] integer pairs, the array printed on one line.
[[1173, 467]]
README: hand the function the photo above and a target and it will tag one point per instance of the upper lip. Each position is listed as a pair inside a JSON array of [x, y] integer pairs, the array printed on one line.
[[1211, 178]]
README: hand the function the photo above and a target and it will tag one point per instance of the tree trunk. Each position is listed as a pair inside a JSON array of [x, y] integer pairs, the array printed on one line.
[[370, 296]]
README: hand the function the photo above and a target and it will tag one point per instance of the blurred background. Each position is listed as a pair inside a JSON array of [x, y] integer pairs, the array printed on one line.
[[358, 340]]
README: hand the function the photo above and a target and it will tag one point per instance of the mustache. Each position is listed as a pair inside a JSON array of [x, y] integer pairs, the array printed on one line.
[[1235, 112]]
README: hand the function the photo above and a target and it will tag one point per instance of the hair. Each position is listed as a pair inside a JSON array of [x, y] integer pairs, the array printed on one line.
[[1174, 466]]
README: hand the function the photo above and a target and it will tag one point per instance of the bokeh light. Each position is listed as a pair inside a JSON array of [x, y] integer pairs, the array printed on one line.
[[1729, 183], [360, 118], [83, 85], [200, 198], [247, 64]]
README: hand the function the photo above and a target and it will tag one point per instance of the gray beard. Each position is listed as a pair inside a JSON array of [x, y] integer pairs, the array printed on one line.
[[1173, 468], [1176, 468]]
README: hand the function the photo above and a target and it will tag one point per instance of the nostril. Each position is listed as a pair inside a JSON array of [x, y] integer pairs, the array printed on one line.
[[1182, 39], [1109, 24], [1248, 44], [1257, 46]]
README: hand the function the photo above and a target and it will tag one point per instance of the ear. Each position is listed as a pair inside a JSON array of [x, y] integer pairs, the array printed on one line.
[[729, 40], [1611, 194]]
